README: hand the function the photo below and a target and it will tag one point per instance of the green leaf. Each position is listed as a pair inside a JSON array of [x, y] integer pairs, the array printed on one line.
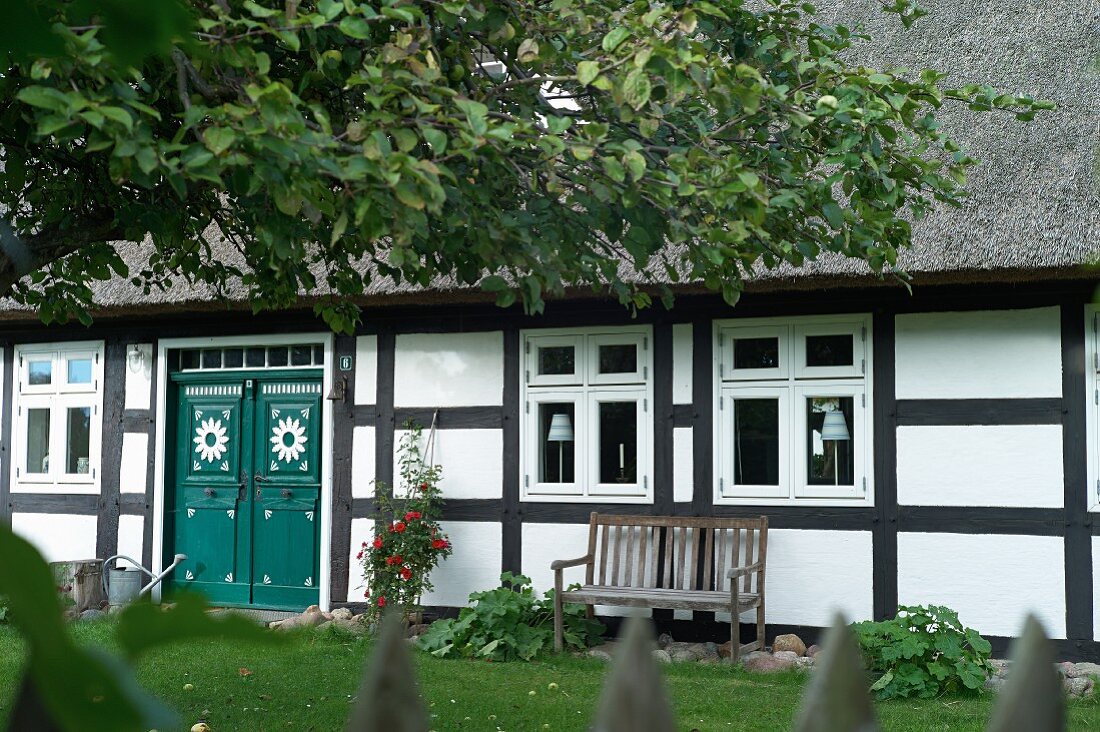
[[45, 97], [635, 163], [219, 139], [833, 214], [476, 112], [587, 71], [637, 88], [408, 195], [614, 38], [355, 27]]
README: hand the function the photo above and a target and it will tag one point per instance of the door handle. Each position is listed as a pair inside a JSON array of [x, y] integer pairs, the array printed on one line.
[[208, 492], [259, 478], [287, 493]]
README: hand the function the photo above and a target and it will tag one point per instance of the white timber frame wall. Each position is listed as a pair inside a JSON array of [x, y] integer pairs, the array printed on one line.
[[984, 472]]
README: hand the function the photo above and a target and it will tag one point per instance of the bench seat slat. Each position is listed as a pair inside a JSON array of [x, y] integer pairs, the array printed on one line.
[[674, 599]]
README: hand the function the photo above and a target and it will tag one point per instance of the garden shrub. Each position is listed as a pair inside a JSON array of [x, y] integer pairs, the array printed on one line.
[[923, 652], [508, 623]]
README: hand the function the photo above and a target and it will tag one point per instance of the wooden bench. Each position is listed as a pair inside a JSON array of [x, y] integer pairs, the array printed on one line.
[[681, 563]]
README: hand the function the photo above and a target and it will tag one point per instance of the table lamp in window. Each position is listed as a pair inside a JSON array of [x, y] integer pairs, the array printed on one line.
[[835, 429], [561, 431]]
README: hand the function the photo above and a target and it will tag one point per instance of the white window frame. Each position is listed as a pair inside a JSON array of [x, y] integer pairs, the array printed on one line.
[[57, 397], [1092, 411], [791, 383], [587, 388]]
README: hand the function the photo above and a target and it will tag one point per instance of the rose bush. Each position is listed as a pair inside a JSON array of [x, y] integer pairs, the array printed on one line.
[[408, 542]]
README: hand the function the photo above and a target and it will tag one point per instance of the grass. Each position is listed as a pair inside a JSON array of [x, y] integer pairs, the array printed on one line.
[[309, 682]]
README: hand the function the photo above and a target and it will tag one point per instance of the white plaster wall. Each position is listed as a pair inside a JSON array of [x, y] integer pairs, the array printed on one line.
[[133, 470], [474, 565], [543, 543], [992, 581], [130, 537], [472, 461], [683, 464], [449, 369], [682, 355], [362, 462], [813, 574], [139, 385], [362, 531], [59, 537], [980, 465], [1095, 584], [366, 369], [979, 355]]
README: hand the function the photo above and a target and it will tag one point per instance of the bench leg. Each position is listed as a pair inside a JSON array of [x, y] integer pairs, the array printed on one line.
[[590, 612], [559, 621], [735, 624], [760, 632]]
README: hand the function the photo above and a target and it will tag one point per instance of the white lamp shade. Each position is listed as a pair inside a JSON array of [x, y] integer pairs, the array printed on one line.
[[561, 429], [834, 427]]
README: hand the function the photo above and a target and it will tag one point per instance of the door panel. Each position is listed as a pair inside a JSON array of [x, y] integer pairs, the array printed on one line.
[[287, 494], [209, 526], [247, 489]]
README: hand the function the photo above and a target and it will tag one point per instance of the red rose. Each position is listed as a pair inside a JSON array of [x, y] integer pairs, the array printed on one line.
[[406, 573], [359, 555], [399, 527], [423, 486], [412, 515], [377, 542], [439, 544], [381, 602], [395, 559]]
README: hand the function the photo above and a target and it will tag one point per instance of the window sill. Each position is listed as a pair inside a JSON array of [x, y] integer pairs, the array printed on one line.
[[860, 502], [558, 498], [83, 489]]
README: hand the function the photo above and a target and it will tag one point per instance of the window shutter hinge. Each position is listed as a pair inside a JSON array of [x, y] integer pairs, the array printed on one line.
[[865, 485], [863, 333], [527, 346], [527, 375], [17, 472], [721, 338], [1096, 360], [527, 481], [863, 366], [863, 398], [1096, 396], [720, 482], [645, 482], [645, 372], [645, 405], [645, 343], [527, 407], [721, 403], [721, 371]]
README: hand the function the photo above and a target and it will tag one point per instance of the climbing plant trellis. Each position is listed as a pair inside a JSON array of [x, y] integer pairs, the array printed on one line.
[[634, 698]]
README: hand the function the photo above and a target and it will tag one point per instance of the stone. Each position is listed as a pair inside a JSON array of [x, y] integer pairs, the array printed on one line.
[[789, 642], [326, 624], [1084, 668], [662, 656], [790, 656], [602, 652], [342, 613], [92, 614], [312, 617], [355, 627], [1079, 687], [768, 664], [813, 650], [415, 631], [995, 683], [664, 640], [681, 655], [115, 609], [999, 664], [712, 648], [725, 650], [804, 663], [1068, 670]]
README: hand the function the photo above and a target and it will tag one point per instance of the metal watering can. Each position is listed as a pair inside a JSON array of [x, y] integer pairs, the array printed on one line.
[[123, 585]]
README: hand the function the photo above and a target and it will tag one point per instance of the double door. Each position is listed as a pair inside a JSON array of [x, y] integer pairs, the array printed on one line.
[[246, 488]]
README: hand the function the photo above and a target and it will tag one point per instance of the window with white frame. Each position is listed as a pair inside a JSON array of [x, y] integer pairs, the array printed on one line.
[[793, 406], [56, 430], [586, 432]]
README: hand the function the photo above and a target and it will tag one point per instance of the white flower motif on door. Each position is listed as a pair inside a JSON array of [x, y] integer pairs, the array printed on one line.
[[210, 440], [288, 440]]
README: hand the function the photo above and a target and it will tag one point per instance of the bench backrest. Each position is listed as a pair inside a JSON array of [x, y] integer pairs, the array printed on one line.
[[678, 553]]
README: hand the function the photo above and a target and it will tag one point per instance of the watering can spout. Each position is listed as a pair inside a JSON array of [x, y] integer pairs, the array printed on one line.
[[179, 558]]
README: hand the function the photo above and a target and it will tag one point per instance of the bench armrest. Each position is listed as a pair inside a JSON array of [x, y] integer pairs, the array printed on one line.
[[563, 563], [742, 571]]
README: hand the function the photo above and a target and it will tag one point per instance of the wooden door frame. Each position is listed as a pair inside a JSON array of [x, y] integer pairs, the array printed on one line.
[[326, 340]]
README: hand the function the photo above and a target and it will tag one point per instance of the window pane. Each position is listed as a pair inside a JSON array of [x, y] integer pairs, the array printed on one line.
[[556, 443], [756, 441], [78, 440], [618, 442], [255, 357], [830, 448], [189, 359], [233, 358], [40, 373], [212, 359], [80, 370], [277, 356], [301, 355], [557, 361], [38, 441], [829, 350], [618, 359], [318, 355], [756, 353]]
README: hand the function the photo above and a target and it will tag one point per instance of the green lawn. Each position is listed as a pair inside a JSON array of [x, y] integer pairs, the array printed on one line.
[[308, 684]]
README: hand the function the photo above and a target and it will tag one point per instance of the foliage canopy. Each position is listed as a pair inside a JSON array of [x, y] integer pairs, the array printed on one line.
[[282, 147]]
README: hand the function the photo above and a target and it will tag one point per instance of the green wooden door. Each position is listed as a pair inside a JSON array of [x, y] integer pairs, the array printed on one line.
[[246, 498]]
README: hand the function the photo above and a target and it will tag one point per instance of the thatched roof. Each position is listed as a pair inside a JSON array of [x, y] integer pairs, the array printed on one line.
[[1034, 208]]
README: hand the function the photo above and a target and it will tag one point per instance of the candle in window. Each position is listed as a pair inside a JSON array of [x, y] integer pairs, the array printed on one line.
[[621, 463]]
